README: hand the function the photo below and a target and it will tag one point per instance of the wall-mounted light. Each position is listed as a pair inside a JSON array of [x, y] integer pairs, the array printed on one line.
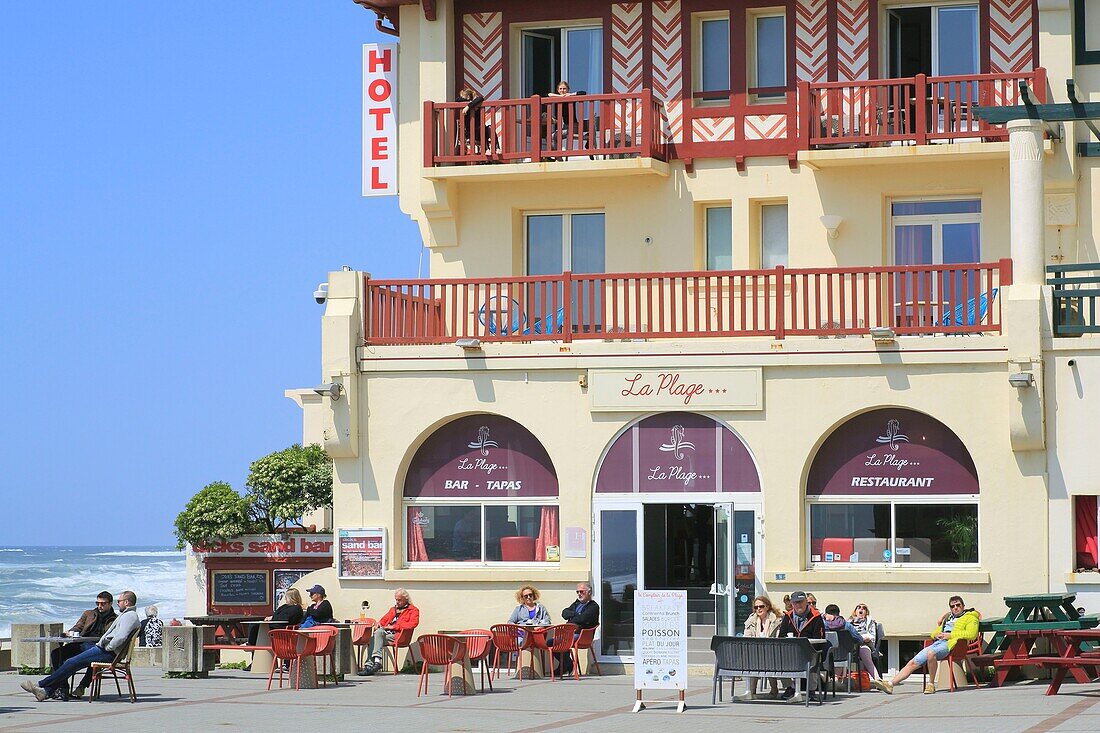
[[831, 222], [469, 344], [332, 390], [883, 335], [1020, 380]]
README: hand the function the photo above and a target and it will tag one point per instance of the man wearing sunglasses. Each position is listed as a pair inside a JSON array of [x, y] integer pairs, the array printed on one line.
[[584, 613], [958, 625], [93, 622]]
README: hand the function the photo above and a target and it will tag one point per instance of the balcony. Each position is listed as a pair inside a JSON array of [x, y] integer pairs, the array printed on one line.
[[776, 303], [1075, 293], [615, 128], [908, 111]]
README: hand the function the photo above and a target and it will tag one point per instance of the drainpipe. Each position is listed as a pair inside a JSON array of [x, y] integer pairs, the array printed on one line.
[[382, 16]]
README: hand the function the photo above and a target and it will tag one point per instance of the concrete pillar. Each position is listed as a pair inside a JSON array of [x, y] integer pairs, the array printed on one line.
[[1025, 152], [33, 654]]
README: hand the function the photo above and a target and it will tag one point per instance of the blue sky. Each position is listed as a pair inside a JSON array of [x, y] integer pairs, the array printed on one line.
[[176, 178]]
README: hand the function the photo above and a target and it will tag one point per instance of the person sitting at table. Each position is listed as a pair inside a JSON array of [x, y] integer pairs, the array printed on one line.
[[320, 610], [584, 613], [112, 644], [835, 622], [152, 628], [403, 615], [474, 135], [802, 621], [958, 624], [92, 622], [866, 626], [529, 612], [289, 614], [763, 622]]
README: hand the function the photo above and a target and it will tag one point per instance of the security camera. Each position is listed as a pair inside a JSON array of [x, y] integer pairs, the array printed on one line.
[[1072, 362], [321, 293]]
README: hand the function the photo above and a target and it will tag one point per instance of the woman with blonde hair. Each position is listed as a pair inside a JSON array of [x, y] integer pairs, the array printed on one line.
[[529, 612], [764, 621], [290, 613]]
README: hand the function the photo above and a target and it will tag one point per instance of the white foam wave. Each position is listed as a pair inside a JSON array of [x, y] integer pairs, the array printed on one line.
[[11, 549], [131, 553]]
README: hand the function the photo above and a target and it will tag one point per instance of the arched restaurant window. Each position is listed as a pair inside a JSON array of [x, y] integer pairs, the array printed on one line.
[[893, 486], [481, 489]]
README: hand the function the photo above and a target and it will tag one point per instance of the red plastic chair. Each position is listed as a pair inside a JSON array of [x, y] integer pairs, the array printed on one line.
[[442, 651], [478, 647], [361, 632], [584, 642], [325, 648], [403, 640], [285, 647], [506, 640], [561, 641], [959, 653]]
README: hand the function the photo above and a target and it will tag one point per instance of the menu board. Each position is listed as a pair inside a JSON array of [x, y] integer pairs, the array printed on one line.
[[660, 640], [361, 553], [240, 588], [285, 579]]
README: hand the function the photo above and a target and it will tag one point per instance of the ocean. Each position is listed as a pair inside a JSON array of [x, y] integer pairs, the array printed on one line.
[[40, 584]]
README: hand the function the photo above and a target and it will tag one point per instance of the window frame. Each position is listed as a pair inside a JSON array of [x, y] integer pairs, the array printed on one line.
[[884, 32], [697, 21], [566, 236], [753, 15], [893, 501], [760, 206], [517, 31], [707, 208], [936, 221], [406, 504]]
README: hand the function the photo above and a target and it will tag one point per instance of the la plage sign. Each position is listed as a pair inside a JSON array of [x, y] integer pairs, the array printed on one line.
[[674, 389]]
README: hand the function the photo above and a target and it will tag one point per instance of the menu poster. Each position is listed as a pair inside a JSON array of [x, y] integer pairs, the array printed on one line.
[[361, 553], [285, 580], [660, 640]]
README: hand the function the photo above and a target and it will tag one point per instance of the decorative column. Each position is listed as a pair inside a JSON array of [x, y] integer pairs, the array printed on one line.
[[1025, 152]]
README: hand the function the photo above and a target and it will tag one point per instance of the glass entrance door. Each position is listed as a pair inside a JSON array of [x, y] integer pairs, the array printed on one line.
[[617, 533], [723, 590], [745, 563]]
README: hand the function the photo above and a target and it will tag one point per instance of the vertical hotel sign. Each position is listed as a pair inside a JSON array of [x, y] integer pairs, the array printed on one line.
[[379, 119]]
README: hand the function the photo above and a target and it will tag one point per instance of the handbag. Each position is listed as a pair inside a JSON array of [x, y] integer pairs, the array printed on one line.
[[308, 623]]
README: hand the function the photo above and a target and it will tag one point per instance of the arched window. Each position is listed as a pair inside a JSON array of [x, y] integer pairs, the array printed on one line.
[[893, 486], [481, 489]]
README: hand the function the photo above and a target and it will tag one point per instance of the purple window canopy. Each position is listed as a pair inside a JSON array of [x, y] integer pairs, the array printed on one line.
[[481, 457], [892, 451], [677, 452]]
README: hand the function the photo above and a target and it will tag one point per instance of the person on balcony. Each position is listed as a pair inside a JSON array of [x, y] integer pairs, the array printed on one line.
[[563, 117], [473, 135]]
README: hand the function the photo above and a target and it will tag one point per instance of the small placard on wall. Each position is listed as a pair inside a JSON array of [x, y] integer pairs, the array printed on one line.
[[576, 542]]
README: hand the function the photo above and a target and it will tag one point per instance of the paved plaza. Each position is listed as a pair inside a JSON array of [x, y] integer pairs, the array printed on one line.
[[237, 701]]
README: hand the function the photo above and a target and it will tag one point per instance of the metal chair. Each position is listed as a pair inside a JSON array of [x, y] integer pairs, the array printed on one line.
[[117, 670], [442, 651]]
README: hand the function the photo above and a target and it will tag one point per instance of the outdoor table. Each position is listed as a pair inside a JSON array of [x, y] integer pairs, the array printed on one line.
[[1044, 612], [467, 676], [306, 669], [262, 659], [530, 655], [60, 639], [231, 625], [1072, 659]]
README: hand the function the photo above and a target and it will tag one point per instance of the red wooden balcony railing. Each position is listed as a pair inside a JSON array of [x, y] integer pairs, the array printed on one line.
[[918, 109], [544, 128], [838, 301]]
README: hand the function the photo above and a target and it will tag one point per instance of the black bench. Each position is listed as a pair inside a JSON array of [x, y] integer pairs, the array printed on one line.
[[741, 656]]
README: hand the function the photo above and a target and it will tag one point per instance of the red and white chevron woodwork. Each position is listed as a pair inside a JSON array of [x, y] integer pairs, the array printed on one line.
[[626, 48], [765, 127], [853, 39], [668, 76], [1010, 32], [811, 47], [713, 129], [483, 53]]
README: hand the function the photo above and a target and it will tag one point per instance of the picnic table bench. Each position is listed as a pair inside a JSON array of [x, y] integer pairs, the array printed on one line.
[[1077, 658], [1042, 612]]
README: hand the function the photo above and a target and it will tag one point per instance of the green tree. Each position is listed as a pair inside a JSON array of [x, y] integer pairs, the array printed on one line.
[[217, 512], [286, 484]]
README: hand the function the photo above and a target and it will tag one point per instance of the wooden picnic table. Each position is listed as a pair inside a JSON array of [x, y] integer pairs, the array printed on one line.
[[1074, 659], [1043, 612], [230, 624]]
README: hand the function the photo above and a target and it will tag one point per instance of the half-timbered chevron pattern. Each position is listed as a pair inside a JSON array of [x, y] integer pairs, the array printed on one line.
[[811, 47], [668, 67], [626, 48], [713, 129], [1010, 31], [765, 127], [483, 53], [853, 39]]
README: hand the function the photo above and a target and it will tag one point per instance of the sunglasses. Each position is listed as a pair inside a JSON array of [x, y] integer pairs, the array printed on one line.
[[581, 592], [813, 603], [757, 608], [956, 605], [528, 595]]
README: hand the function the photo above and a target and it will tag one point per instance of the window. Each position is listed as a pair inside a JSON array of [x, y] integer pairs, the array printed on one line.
[[937, 232], [573, 54], [933, 40], [1086, 555], [560, 242], [895, 532], [769, 58], [712, 61], [719, 237], [486, 532], [773, 236]]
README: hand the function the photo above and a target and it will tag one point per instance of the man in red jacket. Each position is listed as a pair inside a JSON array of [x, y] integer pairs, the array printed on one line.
[[404, 615]]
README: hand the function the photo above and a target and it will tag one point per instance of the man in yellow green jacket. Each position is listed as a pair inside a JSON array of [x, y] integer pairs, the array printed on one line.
[[960, 625]]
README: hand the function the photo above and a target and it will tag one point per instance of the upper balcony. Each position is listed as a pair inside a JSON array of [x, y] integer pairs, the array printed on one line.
[[775, 303], [586, 127]]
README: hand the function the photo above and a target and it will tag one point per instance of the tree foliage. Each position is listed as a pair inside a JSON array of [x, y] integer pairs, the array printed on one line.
[[287, 484], [217, 512]]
